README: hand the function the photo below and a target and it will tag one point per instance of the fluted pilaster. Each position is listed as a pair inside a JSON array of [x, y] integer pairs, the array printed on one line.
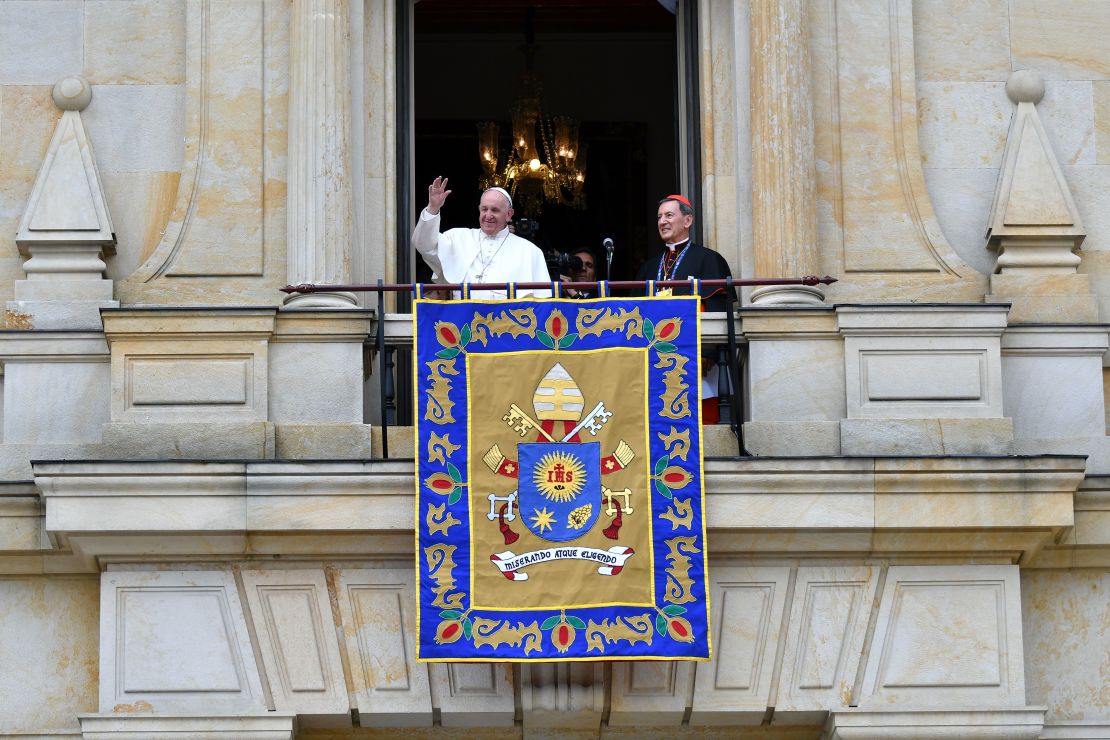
[[784, 216], [319, 232]]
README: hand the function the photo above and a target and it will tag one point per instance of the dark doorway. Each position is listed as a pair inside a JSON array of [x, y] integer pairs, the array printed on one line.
[[609, 64]]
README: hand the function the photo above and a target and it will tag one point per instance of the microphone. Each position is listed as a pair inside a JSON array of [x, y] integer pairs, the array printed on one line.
[[607, 242]]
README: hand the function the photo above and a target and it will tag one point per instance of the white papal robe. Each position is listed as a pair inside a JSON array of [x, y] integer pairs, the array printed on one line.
[[470, 256]]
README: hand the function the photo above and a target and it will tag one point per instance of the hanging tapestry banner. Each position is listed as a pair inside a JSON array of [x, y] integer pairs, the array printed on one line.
[[560, 512]]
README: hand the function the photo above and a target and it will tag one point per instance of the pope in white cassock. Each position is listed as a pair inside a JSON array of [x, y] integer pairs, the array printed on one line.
[[488, 254]]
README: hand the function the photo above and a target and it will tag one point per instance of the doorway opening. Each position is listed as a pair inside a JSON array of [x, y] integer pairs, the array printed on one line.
[[611, 65]]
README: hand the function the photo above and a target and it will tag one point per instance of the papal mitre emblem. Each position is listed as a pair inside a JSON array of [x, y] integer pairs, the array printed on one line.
[[558, 397]]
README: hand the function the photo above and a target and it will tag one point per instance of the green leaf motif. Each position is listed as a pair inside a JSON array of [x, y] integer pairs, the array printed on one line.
[[450, 614], [546, 339], [549, 622], [660, 624], [665, 347], [464, 338], [567, 341], [659, 486], [468, 628], [649, 330], [661, 465], [576, 623], [673, 610], [454, 473], [457, 494], [447, 354]]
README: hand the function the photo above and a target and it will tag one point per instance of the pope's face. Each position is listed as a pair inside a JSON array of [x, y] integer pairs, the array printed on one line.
[[493, 212], [673, 226]]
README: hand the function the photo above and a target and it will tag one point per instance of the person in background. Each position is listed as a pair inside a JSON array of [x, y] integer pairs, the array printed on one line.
[[488, 254], [681, 259], [585, 274]]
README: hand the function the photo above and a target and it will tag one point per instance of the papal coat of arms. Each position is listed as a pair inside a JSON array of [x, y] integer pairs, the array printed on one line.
[[559, 509]]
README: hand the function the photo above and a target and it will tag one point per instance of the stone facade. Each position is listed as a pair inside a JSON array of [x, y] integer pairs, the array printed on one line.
[[200, 535]]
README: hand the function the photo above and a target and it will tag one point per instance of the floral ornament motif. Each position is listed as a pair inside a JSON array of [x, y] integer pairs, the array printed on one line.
[[563, 630], [669, 478], [662, 336], [455, 625], [669, 623], [554, 334], [452, 338], [447, 484]]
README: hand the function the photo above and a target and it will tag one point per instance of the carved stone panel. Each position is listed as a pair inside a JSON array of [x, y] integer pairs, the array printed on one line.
[[650, 692], [175, 642], [379, 622], [828, 623], [735, 687], [292, 618], [474, 694], [947, 635]]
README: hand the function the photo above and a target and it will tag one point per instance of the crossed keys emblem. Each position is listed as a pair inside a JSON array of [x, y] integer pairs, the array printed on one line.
[[522, 423]]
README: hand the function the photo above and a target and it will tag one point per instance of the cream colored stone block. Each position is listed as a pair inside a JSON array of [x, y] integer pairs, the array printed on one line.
[[1100, 92], [175, 642], [734, 688], [245, 726], [792, 438], [292, 618], [137, 127], [21, 518], [49, 647], [650, 692], [796, 379], [1067, 639], [1068, 114], [474, 694], [244, 440], [926, 436], [885, 217], [947, 637], [562, 696], [828, 622], [189, 365], [55, 402], [323, 441], [1057, 299], [22, 148], [39, 43], [1088, 185], [912, 362], [963, 124], [912, 724], [1038, 33], [957, 40], [379, 616], [1052, 379], [1082, 730], [135, 41], [140, 203], [962, 199]]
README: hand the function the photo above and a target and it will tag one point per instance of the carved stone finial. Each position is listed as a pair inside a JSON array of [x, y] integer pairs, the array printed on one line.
[[72, 93], [1025, 86]]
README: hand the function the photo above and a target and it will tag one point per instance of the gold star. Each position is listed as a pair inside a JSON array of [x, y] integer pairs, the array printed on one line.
[[542, 520]]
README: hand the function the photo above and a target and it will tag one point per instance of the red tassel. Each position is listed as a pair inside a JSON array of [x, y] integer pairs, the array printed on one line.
[[612, 530], [509, 534]]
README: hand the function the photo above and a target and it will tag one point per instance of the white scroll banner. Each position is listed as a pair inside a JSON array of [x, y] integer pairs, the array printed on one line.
[[610, 561]]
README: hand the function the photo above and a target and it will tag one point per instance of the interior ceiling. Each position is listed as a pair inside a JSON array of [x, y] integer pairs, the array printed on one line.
[[551, 16]]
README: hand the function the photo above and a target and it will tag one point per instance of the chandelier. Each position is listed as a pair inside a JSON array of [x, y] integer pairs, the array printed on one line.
[[552, 172]]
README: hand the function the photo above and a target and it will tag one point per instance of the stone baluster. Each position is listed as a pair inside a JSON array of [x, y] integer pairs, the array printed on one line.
[[784, 215], [319, 210]]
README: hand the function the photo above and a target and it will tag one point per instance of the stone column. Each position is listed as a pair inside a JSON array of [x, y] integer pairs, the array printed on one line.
[[319, 206], [784, 208]]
